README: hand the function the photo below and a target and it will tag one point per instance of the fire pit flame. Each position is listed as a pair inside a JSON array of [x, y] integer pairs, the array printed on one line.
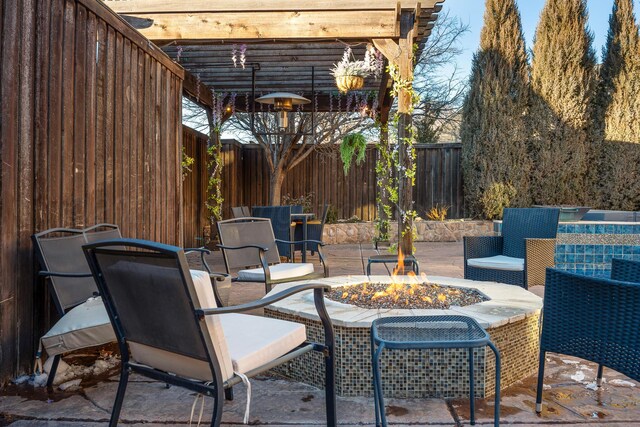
[[401, 287]]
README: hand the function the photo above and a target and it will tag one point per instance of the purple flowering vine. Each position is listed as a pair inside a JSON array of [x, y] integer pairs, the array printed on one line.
[[234, 57], [243, 54]]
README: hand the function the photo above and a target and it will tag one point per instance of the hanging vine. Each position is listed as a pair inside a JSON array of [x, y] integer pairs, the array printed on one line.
[[214, 149], [387, 186]]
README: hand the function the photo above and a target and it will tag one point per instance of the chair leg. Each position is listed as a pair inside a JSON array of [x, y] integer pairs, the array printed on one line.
[[375, 379], [218, 403], [330, 388], [52, 371], [496, 410], [117, 405], [600, 372], [228, 393], [540, 380], [380, 393]]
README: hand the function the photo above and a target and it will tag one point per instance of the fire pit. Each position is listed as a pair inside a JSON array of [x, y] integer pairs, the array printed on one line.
[[413, 295], [509, 313]]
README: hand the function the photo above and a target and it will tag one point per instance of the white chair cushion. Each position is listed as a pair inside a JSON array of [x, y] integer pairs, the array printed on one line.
[[498, 262], [285, 270], [242, 342], [254, 341], [83, 326]]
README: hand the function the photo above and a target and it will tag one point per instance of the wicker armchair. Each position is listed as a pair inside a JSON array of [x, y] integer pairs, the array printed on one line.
[[593, 318], [280, 217], [518, 257]]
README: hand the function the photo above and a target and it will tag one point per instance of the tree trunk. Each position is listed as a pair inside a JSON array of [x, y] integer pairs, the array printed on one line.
[[275, 187]]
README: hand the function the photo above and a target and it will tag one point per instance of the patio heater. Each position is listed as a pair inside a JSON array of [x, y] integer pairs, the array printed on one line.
[[283, 103]]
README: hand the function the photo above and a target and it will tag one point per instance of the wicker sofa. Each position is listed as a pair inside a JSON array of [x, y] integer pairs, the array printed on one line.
[[593, 318], [520, 255]]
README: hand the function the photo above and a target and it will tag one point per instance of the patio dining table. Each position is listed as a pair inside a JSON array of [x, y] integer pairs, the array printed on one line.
[[304, 217]]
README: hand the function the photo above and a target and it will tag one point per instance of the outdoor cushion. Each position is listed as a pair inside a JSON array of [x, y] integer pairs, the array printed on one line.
[[254, 340], [184, 365], [242, 342], [498, 262], [285, 270], [83, 326]]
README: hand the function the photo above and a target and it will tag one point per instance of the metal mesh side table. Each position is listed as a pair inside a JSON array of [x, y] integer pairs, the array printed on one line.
[[409, 261], [427, 332]]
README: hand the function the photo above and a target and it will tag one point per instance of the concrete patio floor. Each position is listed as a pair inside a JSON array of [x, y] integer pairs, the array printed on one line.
[[570, 398]]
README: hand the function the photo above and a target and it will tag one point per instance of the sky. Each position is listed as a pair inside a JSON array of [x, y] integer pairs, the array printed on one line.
[[471, 12]]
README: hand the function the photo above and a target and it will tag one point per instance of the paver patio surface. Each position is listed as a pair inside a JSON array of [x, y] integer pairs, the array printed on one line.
[[569, 397]]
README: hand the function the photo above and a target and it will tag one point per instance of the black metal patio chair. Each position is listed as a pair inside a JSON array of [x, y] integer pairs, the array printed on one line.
[[593, 318], [83, 320], [240, 211], [169, 328], [521, 254], [249, 244]]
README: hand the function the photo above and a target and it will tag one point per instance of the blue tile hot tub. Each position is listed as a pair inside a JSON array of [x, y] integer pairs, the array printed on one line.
[[587, 246]]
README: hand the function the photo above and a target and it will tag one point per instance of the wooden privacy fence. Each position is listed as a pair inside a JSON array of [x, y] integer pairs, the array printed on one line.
[[90, 125], [246, 181]]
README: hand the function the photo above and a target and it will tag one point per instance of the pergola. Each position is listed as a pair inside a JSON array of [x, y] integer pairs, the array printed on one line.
[[285, 40]]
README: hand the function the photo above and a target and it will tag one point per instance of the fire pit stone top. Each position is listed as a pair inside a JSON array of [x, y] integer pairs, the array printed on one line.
[[505, 304]]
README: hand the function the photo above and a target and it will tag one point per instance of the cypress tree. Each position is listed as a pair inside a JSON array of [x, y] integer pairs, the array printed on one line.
[[493, 129], [563, 81], [618, 106]]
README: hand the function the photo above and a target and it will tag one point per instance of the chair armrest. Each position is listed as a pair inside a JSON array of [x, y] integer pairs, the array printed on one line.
[[482, 246], [539, 254], [57, 274], [242, 247], [203, 252], [220, 277], [264, 301], [292, 242]]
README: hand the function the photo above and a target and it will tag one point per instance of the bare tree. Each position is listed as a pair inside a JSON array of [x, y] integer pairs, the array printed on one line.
[[438, 81], [285, 151]]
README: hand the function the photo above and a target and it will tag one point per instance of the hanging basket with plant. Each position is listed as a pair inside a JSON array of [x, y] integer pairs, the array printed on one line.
[[352, 144], [350, 73]]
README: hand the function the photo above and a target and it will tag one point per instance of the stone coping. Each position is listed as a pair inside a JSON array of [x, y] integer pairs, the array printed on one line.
[[497, 221], [507, 303]]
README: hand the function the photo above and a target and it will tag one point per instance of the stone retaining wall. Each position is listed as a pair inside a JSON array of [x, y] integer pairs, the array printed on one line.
[[427, 231]]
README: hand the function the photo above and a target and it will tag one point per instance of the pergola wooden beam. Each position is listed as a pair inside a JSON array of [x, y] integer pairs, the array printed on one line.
[[258, 19], [270, 25], [196, 6]]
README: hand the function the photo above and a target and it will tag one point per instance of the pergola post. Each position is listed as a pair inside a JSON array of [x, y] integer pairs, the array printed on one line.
[[401, 55]]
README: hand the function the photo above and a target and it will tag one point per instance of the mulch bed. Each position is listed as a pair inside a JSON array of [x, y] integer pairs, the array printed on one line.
[[406, 296]]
